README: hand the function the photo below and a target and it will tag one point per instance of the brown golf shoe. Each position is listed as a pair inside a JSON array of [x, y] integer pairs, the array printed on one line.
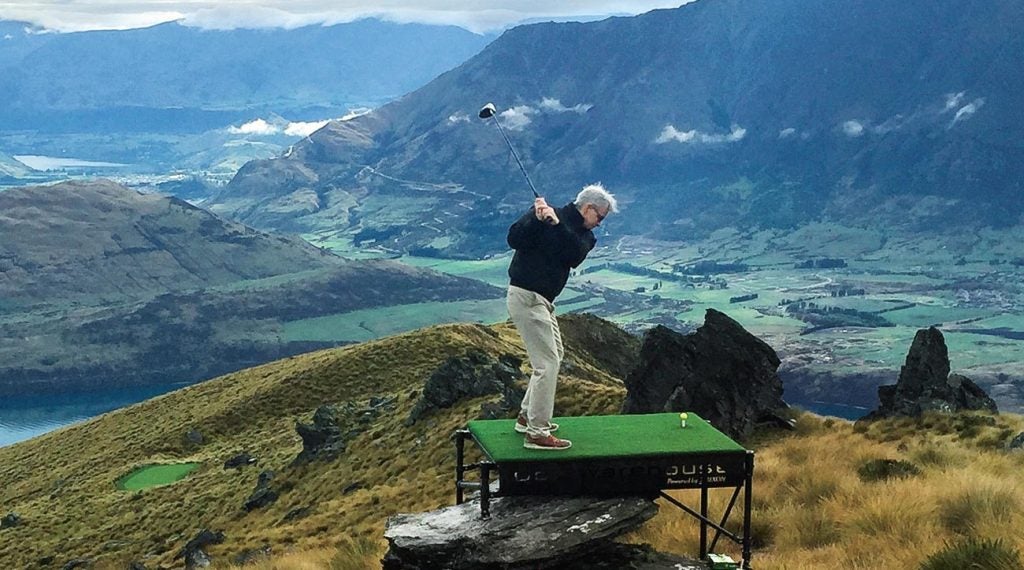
[[546, 442]]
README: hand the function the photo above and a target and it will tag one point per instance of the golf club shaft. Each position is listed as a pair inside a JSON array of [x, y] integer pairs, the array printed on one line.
[[516, 156]]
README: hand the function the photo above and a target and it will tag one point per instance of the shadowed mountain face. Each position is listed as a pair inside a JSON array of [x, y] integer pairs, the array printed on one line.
[[62, 81], [103, 241], [720, 112]]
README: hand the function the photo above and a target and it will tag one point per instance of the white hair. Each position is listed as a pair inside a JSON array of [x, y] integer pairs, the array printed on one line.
[[597, 195]]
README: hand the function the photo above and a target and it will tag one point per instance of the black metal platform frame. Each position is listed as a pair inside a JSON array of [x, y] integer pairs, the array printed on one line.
[[644, 475]]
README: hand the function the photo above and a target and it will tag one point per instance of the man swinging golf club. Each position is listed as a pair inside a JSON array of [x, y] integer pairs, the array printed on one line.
[[548, 242]]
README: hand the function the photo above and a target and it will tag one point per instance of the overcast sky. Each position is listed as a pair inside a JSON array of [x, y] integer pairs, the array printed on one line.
[[476, 15]]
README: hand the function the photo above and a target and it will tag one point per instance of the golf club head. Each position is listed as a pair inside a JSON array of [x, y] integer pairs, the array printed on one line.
[[487, 111]]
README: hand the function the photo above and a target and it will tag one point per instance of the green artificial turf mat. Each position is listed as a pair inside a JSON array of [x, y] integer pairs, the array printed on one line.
[[606, 436], [153, 475]]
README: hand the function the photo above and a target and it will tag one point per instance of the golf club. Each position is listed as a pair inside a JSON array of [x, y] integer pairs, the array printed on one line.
[[489, 112]]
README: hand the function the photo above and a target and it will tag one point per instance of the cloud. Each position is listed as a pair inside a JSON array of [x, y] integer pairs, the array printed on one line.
[[78, 16], [556, 106], [786, 133], [517, 117], [493, 15], [357, 112], [257, 127], [670, 134], [853, 128], [301, 129], [952, 100], [458, 118], [967, 110], [262, 128], [232, 16]]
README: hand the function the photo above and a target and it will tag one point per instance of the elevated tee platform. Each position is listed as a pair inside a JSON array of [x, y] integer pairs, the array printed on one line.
[[642, 454]]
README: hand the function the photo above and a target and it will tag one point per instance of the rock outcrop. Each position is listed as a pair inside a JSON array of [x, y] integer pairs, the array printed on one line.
[[241, 460], [297, 513], [323, 439], [613, 348], [263, 495], [722, 372], [474, 374], [194, 438], [10, 520], [252, 555], [522, 532], [925, 383], [335, 424], [193, 553]]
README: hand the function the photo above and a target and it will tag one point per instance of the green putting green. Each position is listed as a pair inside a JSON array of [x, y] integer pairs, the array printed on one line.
[[606, 436], [153, 475]]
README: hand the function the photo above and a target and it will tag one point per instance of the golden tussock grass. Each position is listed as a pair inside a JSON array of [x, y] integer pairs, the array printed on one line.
[[811, 508]]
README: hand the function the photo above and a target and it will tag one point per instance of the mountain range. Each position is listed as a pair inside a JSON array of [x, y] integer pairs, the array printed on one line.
[[718, 113], [176, 76]]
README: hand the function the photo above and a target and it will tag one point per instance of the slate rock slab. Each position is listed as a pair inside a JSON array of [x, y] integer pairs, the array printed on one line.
[[522, 532]]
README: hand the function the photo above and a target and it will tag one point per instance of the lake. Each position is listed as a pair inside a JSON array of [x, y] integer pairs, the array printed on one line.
[[38, 162], [832, 409], [24, 417]]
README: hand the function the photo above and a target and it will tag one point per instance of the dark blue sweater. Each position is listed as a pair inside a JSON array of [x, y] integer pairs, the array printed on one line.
[[545, 253]]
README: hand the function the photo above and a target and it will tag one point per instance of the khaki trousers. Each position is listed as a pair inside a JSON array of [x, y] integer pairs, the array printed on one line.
[[534, 317]]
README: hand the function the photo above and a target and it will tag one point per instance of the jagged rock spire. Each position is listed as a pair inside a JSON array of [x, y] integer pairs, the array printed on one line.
[[925, 383]]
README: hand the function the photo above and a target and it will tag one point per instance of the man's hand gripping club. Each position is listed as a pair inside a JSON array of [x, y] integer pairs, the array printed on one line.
[[544, 212]]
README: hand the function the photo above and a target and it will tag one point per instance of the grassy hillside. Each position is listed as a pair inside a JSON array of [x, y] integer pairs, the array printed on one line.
[[104, 286], [812, 508]]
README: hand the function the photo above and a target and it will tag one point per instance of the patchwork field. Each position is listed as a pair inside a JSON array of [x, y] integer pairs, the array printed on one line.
[[841, 305]]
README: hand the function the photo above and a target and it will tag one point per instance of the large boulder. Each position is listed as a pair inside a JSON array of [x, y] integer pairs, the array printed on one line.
[[473, 374], [522, 532], [925, 384], [722, 372]]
